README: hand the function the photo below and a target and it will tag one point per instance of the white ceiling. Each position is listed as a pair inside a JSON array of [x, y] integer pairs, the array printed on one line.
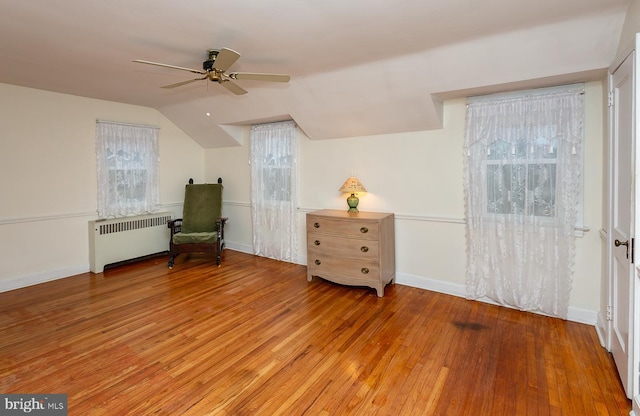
[[358, 67]]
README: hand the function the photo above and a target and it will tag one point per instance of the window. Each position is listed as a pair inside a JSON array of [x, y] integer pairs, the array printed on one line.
[[274, 190], [127, 161], [523, 146], [523, 191]]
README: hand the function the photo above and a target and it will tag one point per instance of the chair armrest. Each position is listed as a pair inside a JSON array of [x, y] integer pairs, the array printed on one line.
[[175, 225], [220, 222]]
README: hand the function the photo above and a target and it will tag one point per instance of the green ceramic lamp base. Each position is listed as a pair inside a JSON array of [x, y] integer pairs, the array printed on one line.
[[352, 201]]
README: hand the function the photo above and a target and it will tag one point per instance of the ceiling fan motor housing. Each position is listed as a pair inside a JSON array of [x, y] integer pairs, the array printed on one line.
[[208, 64]]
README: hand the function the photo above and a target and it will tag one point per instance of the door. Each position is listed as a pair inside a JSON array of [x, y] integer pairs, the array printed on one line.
[[623, 204]]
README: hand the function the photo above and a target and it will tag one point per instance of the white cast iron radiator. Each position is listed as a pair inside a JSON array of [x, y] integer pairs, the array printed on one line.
[[120, 239]]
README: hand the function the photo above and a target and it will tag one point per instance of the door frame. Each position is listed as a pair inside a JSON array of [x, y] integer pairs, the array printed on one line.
[[622, 190], [605, 325]]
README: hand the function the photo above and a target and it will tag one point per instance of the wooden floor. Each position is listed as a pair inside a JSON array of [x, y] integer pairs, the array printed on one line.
[[253, 337]]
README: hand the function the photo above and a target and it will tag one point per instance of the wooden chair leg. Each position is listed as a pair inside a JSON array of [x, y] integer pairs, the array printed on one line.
[[172, 260]]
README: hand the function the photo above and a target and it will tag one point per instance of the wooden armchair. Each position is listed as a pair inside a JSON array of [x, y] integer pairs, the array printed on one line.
[[201, 228]]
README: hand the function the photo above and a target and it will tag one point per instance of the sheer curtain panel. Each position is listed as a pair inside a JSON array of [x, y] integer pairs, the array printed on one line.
[[127, 160], [523, 188], [274, 190]]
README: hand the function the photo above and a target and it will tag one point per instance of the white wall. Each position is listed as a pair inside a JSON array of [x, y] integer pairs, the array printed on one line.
[[48, 178], [232, 165], [630, 27], [419, 177]]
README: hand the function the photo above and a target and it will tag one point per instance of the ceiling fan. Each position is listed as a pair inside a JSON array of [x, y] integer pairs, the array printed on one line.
[[215, 67]]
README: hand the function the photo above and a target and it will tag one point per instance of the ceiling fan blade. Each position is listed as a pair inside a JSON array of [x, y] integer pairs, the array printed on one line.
[[260, 77], [226, 57], [179, 84], [234, 88], [195, 71]]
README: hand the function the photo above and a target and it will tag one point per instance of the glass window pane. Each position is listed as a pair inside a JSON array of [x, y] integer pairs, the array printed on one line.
[[277, 184], [506, 185], [542, 190]]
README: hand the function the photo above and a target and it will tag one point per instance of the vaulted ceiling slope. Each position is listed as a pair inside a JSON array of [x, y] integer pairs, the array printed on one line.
[[358, 67]]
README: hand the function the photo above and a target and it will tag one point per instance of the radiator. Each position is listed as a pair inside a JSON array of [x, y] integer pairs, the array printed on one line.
[[120, 239]]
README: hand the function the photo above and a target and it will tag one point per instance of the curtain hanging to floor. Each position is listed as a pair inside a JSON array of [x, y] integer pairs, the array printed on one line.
[[274, 190], [522, 189]]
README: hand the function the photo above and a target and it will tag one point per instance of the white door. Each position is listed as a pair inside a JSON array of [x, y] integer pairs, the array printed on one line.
[[623, 204]]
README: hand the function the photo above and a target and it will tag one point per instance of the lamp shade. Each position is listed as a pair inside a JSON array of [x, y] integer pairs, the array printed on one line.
[[352, 185]]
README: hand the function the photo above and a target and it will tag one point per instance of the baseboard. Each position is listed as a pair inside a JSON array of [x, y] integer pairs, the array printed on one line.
[[583, 316], [434, 285], [50, 275], [246, 248], [602, 329], [243, 248], [42, 277]]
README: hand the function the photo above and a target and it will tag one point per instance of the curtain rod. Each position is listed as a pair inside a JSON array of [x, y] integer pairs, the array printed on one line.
[[119, 123], [576, 88], [274, 123]]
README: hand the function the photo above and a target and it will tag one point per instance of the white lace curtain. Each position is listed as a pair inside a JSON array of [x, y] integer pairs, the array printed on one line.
[[127, 163], [274, 190], [522, 188]]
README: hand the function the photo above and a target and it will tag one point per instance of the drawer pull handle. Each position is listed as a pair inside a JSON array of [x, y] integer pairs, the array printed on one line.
[[364, 270], [317, 262], [317, 242], [364, 249], [316, 225], [364, 230]]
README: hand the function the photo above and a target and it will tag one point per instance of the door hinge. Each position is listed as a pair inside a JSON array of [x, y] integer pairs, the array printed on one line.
[[610, 99], [633, 240], [609, 313]]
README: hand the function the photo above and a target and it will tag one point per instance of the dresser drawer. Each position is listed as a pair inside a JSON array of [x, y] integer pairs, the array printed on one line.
[[368, 230], [343, 247], [321, 264]]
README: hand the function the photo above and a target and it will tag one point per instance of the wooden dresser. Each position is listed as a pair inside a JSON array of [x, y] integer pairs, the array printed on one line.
[[351, 249]]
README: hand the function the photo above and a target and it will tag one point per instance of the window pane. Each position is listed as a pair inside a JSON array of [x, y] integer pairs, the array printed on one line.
[[500, 149], [506, 185], [277, 184], [525, 189], [544, 147], [542, 190], [128, 186]]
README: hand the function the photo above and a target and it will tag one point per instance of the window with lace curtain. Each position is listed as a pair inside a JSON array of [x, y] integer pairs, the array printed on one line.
[[523, 190], [127, 169], [274, 190]]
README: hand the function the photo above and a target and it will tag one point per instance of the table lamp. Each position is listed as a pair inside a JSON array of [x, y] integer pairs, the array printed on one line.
[[352, 185]]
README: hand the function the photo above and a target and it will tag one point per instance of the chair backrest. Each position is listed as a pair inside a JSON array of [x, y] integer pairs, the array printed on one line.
[[202, 206]]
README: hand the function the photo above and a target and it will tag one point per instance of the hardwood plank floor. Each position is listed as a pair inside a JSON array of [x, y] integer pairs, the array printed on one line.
[[253, 337]]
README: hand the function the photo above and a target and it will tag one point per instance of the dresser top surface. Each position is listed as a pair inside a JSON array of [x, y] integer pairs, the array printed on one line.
[[338, 213]]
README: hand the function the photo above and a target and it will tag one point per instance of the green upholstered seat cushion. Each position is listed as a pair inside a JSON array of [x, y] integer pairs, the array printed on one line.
[[191, 238], [202, 206]]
